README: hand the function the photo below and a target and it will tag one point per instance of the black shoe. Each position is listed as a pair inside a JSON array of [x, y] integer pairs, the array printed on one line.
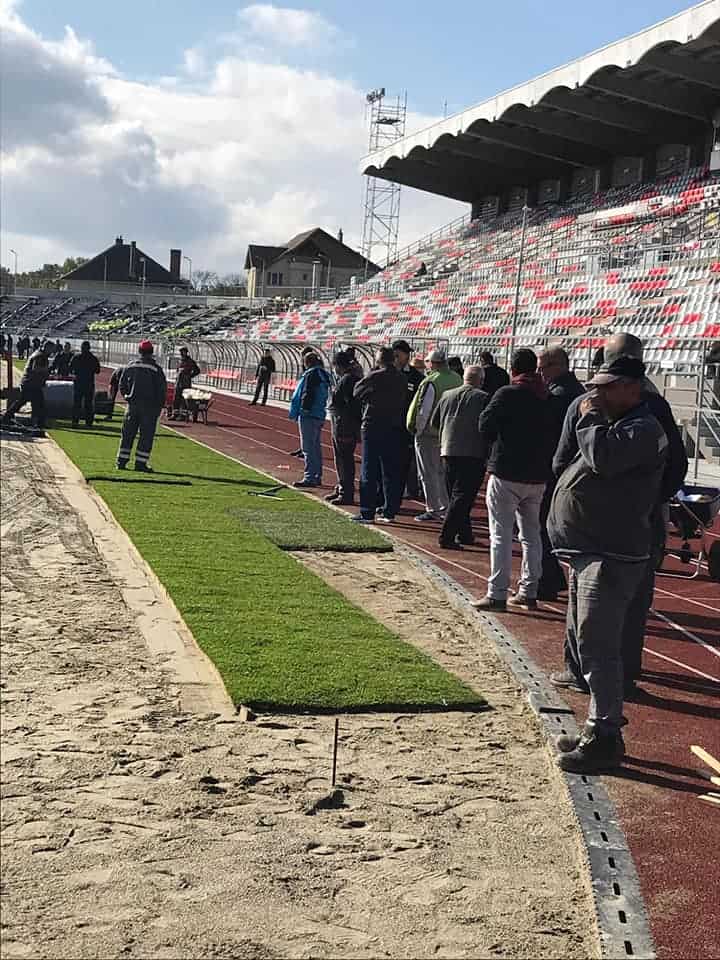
[[567, 679], [332, 497], [76, 423], [595, 751], [295, 453], [548, 596], [466, 541], [143, 468], [253, 403], [305, 483], [121, 465], [449, 545]]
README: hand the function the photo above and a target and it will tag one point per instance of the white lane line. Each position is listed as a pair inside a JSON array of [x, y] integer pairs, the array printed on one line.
[[695, 603], [692, 636], [679, 663]]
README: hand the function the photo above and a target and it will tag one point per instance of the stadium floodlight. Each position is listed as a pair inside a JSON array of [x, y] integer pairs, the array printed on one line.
[[375, 95], [14, 253], [142, 296]]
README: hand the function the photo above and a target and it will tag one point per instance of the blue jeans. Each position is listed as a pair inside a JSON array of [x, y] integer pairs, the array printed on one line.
[[310, 431], [382, 448]]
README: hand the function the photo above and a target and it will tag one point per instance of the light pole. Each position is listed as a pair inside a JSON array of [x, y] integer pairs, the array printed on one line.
[[142, 297], [518, 281], [189, 260], [14, 253]]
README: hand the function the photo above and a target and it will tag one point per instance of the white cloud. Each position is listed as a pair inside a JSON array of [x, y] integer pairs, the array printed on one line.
[[285, 26], [235, 149]]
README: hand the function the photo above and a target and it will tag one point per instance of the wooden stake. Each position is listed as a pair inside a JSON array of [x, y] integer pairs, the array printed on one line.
[[707, 758], [335, 745]]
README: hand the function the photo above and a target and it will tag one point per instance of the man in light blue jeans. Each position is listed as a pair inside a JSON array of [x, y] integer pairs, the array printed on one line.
[[507, 501], [517, 438]]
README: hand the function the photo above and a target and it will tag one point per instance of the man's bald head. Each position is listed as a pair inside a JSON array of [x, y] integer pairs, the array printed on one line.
[[622, 345], [474, 376]]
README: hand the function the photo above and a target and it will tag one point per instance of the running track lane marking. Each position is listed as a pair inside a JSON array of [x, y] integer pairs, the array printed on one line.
[[679, 664], [697, 603], [676, 626]]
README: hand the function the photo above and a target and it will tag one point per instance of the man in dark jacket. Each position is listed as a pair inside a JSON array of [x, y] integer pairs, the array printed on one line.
[[31, 391], [409, 480], [563, 387], [457, 418], [187, 370], [494, 376], [601, 523], [84, 368], [383, 394], [516, 429], [263, 376], [61, 362], [625, 344], [345, 422], [144, 386]]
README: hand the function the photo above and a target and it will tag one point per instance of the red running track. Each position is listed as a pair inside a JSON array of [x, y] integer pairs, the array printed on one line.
[[673, 836]]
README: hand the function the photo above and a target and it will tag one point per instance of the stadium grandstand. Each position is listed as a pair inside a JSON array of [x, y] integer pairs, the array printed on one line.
[[594, 195]]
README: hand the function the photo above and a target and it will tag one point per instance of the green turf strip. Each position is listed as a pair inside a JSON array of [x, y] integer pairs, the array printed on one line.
[[280, 637]]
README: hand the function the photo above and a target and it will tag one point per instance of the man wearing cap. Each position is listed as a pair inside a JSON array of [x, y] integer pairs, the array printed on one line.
[[143, 385], [600, 522], [344, 412], [427, 439], [414, 377], [676, 464], [187, 370]]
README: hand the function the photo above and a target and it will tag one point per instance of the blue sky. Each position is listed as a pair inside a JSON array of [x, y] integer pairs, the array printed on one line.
[[212, 125]]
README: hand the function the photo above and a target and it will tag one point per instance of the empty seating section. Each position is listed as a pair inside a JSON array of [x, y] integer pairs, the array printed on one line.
[[644, 258]]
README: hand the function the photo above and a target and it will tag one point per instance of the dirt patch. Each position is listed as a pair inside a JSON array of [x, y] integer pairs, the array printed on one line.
[[134, 829]]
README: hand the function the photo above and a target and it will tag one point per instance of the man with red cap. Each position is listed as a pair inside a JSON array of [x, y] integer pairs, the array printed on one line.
[[143, 385]]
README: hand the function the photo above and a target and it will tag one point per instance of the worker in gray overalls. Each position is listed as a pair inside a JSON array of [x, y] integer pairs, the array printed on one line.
[[143, 385]]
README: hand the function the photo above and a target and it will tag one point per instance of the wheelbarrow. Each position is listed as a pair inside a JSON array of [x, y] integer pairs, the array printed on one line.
[[692, 513]]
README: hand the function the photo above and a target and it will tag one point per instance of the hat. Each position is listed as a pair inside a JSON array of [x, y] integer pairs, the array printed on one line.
[[623, 368], [402, 345], [436, 356], [145, 346]]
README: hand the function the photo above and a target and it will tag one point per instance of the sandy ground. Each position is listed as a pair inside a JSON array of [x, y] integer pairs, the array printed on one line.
[[133, 829]]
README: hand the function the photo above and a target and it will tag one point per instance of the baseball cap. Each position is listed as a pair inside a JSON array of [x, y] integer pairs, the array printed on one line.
[[623, 368], [436, 356], [145, 346], [401, 345]]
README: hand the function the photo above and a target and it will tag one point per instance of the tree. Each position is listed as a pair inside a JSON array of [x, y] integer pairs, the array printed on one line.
[[204, 280]]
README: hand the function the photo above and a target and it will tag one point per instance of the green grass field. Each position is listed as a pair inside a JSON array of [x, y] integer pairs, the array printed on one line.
[[280, 637]]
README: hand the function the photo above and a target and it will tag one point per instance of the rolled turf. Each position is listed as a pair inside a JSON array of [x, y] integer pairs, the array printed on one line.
[[281, 638]]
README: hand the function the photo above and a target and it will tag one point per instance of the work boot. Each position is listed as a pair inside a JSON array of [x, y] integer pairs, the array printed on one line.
[[519, 601], [566, 678], [595, 751], [121, 464], [489, 605], [332, 497], [143, 468]]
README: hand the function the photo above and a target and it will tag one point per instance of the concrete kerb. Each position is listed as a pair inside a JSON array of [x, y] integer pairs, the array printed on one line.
[[200, 687], [620, 910]]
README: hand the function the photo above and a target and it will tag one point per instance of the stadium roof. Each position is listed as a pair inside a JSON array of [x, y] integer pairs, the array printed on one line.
[[309, 245], [659, 86]]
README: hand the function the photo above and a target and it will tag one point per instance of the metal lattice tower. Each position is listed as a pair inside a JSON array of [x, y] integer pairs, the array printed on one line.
[[381, 221]]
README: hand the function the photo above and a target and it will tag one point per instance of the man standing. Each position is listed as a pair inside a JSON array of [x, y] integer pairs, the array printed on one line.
[[457, 418], [383, 394], [676, 464], [187, 370], [308, 407], [408, 461], [563, 387], [495, 376], [84, 368], [61, 362], [516, 430], [144, 386], [427, 441], [263, 376], [31, 391], [600, 521], [345, 421]]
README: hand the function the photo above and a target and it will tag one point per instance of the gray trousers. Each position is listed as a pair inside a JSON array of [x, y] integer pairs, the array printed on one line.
[[137, 419], [431, 471], [600, 593]]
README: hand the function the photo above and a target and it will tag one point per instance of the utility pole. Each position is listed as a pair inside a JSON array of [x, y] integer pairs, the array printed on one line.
[[189, 260], [142, 297], [14, 253]]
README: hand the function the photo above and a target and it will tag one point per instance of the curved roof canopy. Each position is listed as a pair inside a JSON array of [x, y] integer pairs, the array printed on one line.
[[659, 86]]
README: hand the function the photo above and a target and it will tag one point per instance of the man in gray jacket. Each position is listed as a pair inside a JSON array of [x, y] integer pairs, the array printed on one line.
[[144, 386], [456, 419], [600, 522]]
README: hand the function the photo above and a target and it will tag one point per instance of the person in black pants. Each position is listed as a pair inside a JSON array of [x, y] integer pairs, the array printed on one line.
[[494, 376], [263, 375], [456, 420], [414, 377], [345, 421], [61, 362], [31, 391], [563, 387], [84, 367]]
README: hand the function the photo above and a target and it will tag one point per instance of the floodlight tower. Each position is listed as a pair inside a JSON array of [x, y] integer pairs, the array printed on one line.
[[381, 221]]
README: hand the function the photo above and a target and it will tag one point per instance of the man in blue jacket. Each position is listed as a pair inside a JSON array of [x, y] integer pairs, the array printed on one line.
[[600, 522], [307, 407]]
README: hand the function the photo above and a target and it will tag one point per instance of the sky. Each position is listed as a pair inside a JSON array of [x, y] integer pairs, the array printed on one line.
[[211, 125]]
